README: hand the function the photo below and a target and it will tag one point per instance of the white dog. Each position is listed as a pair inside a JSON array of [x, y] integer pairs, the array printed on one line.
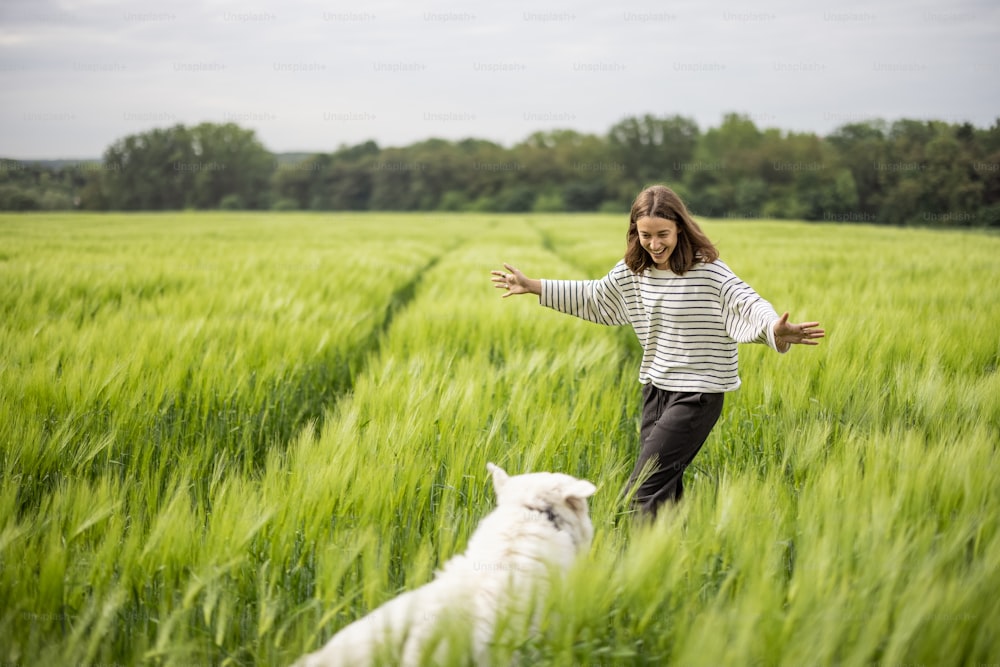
[[539, 526]]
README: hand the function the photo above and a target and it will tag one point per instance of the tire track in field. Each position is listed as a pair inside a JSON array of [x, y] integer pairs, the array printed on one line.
[[331, 380], [307, 397], [368, 349], [399, 300]]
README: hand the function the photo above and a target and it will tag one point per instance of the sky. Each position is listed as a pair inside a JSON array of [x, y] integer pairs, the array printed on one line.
[[75, 76]]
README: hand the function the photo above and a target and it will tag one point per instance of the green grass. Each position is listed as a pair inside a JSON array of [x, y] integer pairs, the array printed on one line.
[[224, 436]]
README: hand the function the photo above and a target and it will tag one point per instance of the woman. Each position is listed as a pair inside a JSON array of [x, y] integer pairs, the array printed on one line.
[[689, 311]]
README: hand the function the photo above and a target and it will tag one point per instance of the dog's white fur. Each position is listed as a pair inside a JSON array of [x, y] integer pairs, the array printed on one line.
[[541, 523]]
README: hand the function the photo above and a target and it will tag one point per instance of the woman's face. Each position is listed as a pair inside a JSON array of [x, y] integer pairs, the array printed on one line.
[[658, 237]]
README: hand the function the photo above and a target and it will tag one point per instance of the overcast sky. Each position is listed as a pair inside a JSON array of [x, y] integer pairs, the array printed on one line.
[[312, 76]]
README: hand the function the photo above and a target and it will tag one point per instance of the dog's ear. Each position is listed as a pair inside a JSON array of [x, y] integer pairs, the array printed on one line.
[[499, 476], [580, 488], [576, 494]]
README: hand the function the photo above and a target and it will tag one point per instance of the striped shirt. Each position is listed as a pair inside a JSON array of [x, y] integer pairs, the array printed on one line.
[[689, 326]]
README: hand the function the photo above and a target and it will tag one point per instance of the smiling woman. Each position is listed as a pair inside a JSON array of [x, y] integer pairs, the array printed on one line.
[[658, 237], [689, 312], [659, 212]]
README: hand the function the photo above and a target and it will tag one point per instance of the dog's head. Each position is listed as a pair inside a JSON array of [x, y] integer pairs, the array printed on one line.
[[560, 498]]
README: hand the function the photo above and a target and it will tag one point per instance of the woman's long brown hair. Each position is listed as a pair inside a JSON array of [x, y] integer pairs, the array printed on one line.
[[693, 247]]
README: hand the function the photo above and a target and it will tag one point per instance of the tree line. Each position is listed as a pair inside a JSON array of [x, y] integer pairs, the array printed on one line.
[[905, 172]]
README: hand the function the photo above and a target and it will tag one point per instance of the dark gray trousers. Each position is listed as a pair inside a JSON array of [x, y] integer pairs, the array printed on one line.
[[674, 427]]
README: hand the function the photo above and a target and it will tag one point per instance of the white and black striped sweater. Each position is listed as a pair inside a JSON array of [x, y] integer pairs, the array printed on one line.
[[688, 326]]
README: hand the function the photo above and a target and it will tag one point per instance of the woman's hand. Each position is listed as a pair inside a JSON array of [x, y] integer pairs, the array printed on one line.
[[805, 333], [515, 282]]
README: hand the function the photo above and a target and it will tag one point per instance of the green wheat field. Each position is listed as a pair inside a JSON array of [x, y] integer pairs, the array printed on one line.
[[225, 436]]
